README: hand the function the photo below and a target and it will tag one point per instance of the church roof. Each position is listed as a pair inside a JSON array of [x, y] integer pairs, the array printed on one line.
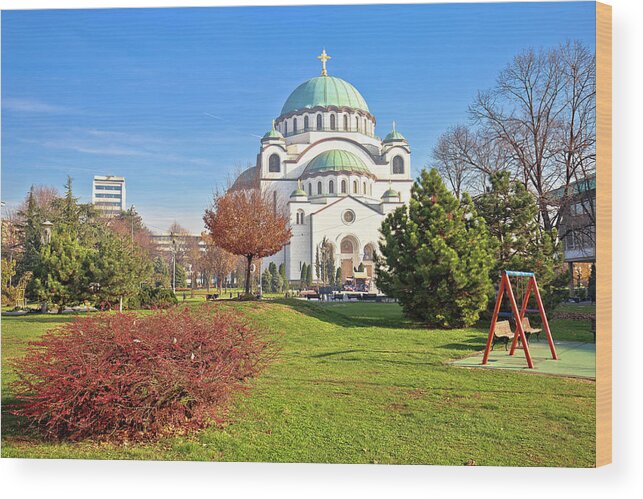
[[248, 179], [273, 134], [336, 160], [324, 91], [393, 136], [391, 193]]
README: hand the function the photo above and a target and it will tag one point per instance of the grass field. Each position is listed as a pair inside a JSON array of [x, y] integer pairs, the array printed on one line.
[[356, 383]]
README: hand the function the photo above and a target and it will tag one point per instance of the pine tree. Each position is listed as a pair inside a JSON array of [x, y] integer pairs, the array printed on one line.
[[284, 279], [330, 267], [339, 279], [117, 268], [519, 242], [318, 267], [302, 278], [161, 277], [276, 281], [435, 256], [32, 235], [61, 276], [181, 276], [309, 275], [266, 281]]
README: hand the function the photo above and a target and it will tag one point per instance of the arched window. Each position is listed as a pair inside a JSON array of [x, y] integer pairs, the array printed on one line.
[[319, 122], [274, 164], [332, 122], [343, 186], [300, 217], [355, 186], [345, 122], [346, 246], [294, 125], [398, 164], [285, 128], [364, 190], [310, 189], [306, 123], [319, 188], [357, 123], [331, 187], [365, 126], [368, 252]]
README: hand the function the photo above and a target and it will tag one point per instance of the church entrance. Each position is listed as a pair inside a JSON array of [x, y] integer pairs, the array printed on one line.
[[348, 249], [347, 268]]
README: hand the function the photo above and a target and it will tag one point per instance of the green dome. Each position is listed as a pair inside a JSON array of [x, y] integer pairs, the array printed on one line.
[[393, 136], [273, 134], [298, 192], [391, 193], [324, 91], [336, 160]]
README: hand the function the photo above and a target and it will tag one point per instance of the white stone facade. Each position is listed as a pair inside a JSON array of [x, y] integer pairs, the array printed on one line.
[[346, 205]]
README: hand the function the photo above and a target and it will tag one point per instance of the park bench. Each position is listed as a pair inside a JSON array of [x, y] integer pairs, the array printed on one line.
[[526, 327], [312, 296], [369, 297], [211, 296], [502, 333]]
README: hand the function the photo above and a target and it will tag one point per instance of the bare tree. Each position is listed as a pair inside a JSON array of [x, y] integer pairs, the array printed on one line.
[[216, 261]]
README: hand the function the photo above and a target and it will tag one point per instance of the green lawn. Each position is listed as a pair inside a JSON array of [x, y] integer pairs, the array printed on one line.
[[356, 383]]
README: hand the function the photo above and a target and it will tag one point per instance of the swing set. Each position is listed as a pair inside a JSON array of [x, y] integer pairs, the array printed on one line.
[[519, 314]]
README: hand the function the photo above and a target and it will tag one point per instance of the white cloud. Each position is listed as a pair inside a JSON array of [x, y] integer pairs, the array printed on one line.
[[32, 106]]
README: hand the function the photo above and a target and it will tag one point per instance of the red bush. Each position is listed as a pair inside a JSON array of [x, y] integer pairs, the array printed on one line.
[[137, 377]]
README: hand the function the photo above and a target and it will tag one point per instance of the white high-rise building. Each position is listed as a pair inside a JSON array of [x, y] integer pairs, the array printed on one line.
[[108, 194]]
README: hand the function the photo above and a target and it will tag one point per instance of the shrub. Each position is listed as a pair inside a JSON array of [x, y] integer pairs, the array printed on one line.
[[153, 298], [125, 376]]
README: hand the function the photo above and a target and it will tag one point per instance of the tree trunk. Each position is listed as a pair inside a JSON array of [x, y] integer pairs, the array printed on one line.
[[249, 258], [120, 304]]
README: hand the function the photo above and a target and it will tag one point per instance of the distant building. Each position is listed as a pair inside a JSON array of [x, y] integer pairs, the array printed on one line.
[[181, 244], [577, 227], [108, 194]]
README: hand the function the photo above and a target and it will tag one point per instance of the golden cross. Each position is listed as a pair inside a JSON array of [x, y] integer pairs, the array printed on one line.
[[323, 58]]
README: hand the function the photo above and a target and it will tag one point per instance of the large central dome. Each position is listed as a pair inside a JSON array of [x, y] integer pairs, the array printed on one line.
[[324, 91]]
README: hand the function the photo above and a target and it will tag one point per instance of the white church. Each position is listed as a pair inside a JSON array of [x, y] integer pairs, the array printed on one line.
[[323, 164]]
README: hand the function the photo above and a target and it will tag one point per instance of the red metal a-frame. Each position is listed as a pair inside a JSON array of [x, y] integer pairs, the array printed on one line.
[[505, 287]]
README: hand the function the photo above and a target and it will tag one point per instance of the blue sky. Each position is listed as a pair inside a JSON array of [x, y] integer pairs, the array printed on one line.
[[175, 100]]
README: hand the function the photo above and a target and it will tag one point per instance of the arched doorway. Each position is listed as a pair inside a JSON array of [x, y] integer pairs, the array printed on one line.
[[349, 255]]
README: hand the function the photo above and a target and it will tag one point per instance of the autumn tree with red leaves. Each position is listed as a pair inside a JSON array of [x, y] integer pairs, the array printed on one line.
[[247, 223]]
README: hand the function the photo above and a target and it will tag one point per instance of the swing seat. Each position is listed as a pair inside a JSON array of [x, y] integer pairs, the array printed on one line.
[[526, 327], [502, 333]]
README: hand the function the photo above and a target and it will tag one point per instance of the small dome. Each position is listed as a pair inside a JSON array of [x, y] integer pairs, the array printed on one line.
[[336, 160], [391, 193], [394, 136], [324, 91], [272, 134], [298, 192]]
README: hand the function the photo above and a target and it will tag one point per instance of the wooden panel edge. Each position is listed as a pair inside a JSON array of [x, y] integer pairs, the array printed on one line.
[[603, 234]]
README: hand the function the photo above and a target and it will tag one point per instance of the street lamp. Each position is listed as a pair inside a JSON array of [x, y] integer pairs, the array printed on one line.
[[131, 215], [173, 262]]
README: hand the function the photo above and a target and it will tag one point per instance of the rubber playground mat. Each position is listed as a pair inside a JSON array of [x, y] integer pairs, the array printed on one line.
[[575, 359]]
